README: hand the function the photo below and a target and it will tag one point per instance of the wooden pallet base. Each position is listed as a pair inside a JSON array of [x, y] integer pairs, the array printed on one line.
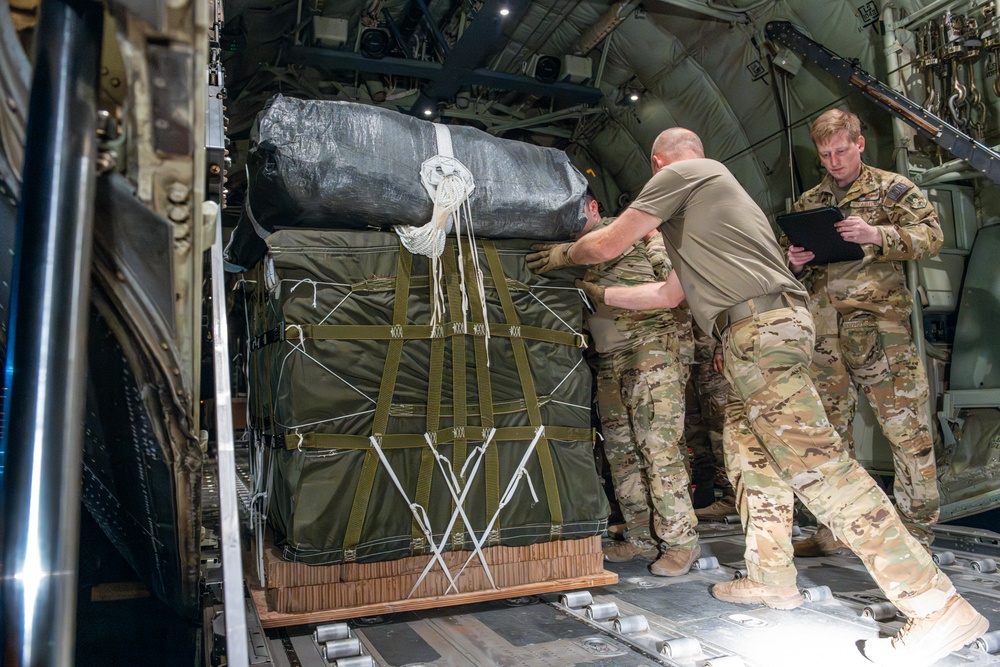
[[296, 593], [274, 619]]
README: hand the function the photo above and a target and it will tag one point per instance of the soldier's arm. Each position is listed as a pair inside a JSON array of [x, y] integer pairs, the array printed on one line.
[[648, 296], [915, 232]]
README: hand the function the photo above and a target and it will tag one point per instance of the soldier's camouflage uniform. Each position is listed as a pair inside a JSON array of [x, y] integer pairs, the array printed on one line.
[[707, 392], [779, 436], [861, 311], [641, 406]]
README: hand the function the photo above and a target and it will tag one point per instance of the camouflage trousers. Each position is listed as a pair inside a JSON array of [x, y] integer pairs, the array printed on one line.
[[641, 403], [879, 357], [705, 396], [779, 442]]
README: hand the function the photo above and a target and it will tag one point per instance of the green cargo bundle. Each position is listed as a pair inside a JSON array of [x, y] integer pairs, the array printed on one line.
[[385, 430]]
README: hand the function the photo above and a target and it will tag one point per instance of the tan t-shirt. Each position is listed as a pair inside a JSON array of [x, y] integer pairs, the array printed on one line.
[[720, 242]]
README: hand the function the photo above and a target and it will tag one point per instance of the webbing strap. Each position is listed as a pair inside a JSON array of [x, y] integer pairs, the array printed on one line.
[[458, 372], [528, 388], [381, 421], [416, 332], [435, 381], [330, 441], [486, 414], [388, 284]]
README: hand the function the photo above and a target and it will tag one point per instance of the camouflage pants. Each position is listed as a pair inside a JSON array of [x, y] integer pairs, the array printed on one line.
[[640, 400], [879, 357], [779, 440], [706, 395]]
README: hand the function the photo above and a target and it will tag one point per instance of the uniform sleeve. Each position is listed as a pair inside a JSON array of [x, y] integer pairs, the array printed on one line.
[[664, 194], [656, 251], [914, 232]]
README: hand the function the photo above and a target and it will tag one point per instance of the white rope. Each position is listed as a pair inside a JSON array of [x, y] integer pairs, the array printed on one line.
[[508, 494], [565, 324], [419, 513], [458, 493], [449, 184]]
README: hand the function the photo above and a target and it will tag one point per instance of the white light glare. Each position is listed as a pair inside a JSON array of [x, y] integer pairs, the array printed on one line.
[[504, 11], [428, 112], [634, 97]]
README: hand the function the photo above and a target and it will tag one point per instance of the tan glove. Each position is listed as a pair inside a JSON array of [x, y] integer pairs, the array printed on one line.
[[549, 256], [593, 291]]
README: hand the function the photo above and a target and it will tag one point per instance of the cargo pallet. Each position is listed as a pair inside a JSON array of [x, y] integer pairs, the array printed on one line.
[[297, 594]]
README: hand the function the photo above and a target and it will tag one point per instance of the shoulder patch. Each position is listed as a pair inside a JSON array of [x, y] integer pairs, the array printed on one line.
[[915, 201], [897, 191]]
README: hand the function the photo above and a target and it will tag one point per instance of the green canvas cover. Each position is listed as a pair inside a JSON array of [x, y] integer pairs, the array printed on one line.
[[342, 350]]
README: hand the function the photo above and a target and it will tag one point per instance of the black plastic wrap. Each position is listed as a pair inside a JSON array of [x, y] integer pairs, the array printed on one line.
[[325, 164]]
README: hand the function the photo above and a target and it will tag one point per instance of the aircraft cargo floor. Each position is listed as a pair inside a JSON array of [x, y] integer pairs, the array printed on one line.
[[540, 631]]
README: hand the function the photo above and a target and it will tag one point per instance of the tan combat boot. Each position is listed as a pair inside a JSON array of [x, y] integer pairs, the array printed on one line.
[[717, 511], [675, 562], [744, 591], [924, 641], [623, 552], [823, 543]]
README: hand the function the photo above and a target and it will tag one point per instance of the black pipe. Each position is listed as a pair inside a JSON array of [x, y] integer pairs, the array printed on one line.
[[48, 331]]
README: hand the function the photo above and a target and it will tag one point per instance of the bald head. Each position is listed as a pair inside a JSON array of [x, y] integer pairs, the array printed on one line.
[[677, 143]]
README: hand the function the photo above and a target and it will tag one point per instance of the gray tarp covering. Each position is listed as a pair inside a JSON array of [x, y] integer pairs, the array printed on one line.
[[326, 164], [320, 384]]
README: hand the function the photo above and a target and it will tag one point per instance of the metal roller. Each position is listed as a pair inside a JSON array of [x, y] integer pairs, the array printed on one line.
[[725, 661], [732, 519], [602, 611], [576, 599], [990, 642], [796, 531], [707, 563], [680, 647], [944, 558], [342, 648], [355, 661], [331, 632], [740, 574], [984, 565], [880, 611], [629, 624], [817, 593]]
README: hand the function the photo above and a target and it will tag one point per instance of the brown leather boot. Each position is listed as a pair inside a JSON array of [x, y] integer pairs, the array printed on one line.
[[744, 591], [717, 511], [623, 552], [924, 641], [822, 543], [675, 562]]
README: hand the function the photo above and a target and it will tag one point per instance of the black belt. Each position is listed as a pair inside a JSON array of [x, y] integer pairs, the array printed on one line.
[[758, 304]]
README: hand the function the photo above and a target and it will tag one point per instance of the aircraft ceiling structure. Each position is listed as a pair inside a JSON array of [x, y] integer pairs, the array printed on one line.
[[702, 64]]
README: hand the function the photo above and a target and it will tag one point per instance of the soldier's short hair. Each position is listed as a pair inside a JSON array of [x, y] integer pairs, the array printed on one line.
[[676, 141], [833, 121]]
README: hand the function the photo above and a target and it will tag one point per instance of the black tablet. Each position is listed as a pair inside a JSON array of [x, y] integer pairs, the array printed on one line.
[[814, 230]]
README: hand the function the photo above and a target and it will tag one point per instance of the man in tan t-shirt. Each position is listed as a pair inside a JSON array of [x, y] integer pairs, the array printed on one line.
[[733, 272]]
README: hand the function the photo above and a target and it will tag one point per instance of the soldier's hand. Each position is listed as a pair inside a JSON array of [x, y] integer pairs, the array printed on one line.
[[549, 256], [593, 291], [856, 230], [717, 363], [798, 257]]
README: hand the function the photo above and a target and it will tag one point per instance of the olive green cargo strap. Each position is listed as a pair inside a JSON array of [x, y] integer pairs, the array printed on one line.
[[295, 332], [331, 441], [528, 388], [460, 416], [435, 382], [388, 283], [386, 390], [487, 410]]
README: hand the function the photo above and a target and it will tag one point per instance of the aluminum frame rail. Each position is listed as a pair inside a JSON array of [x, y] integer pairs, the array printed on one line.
[[979, 156], [46, 361]]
